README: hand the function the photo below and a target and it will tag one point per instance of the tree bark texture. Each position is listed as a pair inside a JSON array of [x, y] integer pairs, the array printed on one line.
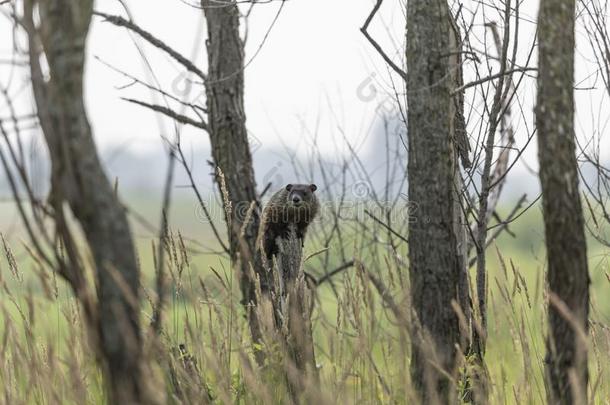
[[462, 149], [568, 277], [78, 179], [230, 147], [476, 386], [434, 251]]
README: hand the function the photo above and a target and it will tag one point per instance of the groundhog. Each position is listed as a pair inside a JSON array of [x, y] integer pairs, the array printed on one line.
[[294, 204]]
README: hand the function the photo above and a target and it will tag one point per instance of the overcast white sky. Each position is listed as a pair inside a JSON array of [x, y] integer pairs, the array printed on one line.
[[314, 70], [308, 68]]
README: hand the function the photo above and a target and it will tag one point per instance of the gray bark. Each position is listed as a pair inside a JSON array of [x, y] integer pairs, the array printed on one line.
[[462, 149], [435, 254], [230, 147], [79, 180], [568, 277]]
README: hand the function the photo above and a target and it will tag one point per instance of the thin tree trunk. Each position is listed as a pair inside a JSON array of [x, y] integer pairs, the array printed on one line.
[[568, 278], [475, 381], [460, 136], [230, 147], [79, 180], [436, 262]]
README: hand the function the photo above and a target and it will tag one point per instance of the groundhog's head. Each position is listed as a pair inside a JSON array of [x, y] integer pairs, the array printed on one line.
[[300, 194]]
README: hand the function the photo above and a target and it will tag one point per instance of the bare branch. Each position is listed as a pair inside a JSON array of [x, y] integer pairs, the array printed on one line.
[[380, 222], [333, 273], [377, 47], [494, 77], [206, 212], [482, 217], [503, 225], [151, 39], [170, 113]]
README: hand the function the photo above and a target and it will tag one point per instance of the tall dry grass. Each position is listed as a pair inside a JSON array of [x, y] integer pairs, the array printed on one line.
[[204, 353]]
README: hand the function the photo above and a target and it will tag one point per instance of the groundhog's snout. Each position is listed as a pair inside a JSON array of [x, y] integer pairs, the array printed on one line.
[[296, 199]]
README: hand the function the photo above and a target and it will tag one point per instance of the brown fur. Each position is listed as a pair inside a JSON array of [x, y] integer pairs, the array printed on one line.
[[281, 212]]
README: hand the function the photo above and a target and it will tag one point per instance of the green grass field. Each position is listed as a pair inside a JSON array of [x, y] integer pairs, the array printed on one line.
[[362, 351]]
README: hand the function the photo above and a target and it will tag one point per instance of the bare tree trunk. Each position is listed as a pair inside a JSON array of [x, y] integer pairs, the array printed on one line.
[[79, 180], [462, 149], [436, 258], [568, 277], [475, 381], [230, 147]]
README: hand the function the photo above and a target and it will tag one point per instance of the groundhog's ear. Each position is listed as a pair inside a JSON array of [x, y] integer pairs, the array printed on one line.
[[289, 187], [313, 187]]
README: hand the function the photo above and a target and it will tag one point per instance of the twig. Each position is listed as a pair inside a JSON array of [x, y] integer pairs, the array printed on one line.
[[377, 47], [481, 284], [493, 77], [389, 300], [262, 194], [206, 212], [379, 221], [502, 225], [196, 108], [170, 113], [333, 273], [121, 22]]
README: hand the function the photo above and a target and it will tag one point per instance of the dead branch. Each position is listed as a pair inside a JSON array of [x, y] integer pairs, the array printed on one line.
[[151, 39], [377, 47], [170, 113], [333, 273]]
